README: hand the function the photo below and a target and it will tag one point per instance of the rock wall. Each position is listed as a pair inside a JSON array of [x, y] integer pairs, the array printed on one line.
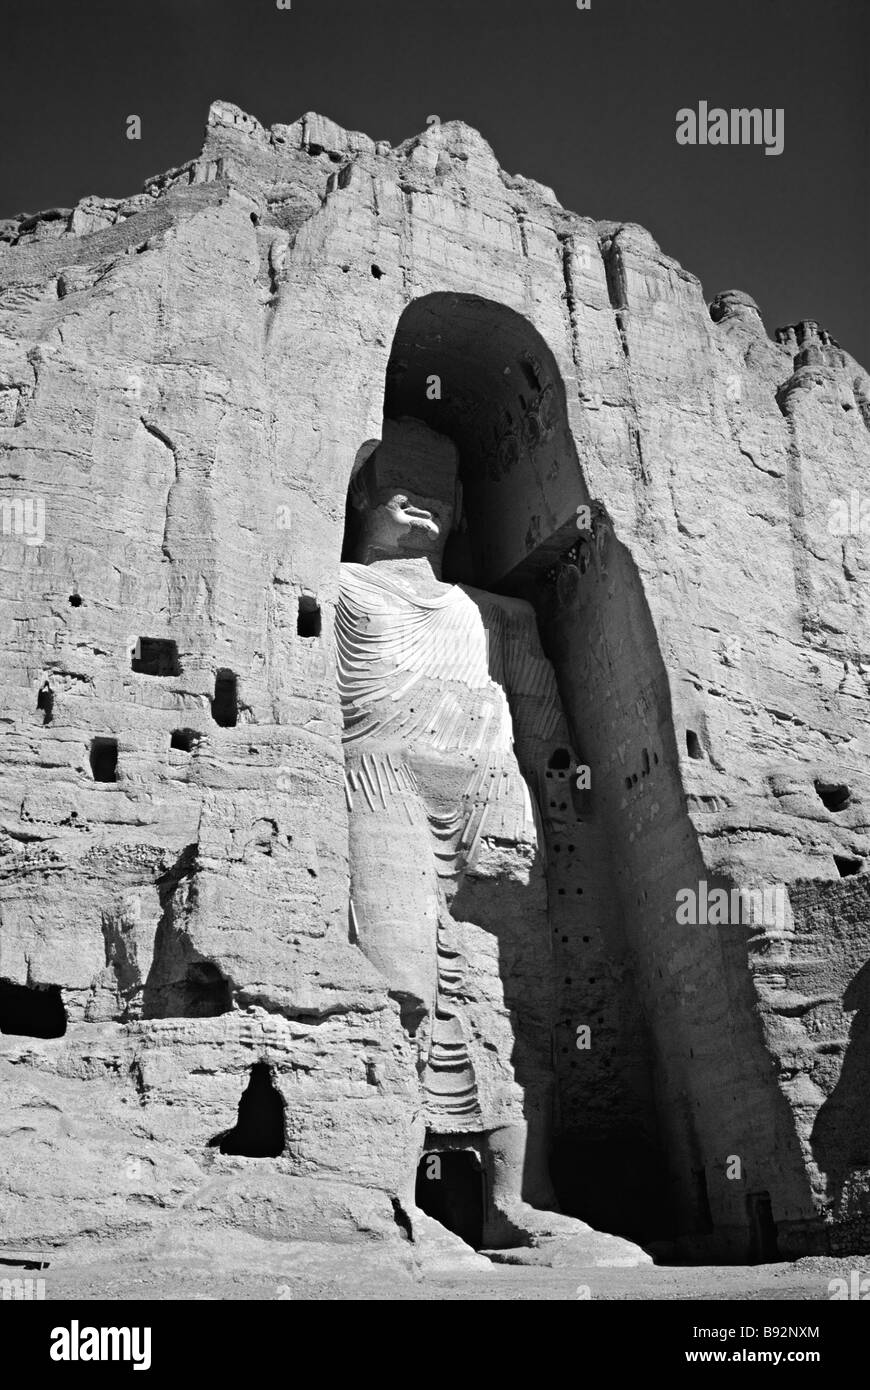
[[186, 379]]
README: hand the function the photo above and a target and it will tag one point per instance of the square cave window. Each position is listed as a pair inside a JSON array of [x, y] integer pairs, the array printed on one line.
[[34, 1011], [184, 740], [308, 617], [155, 656], [104, 759], [693, 745]]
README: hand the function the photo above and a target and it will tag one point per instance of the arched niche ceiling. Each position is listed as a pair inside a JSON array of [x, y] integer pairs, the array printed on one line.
[[502, 401]]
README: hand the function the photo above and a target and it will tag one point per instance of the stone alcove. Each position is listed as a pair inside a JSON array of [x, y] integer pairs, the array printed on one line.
[[451, 1187], [479, 373], [655, 1042]]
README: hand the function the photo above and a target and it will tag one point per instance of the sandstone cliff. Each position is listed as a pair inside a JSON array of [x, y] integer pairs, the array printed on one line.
[[186, 378]]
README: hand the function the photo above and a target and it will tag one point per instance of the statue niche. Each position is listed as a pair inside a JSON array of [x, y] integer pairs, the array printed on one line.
[[450, 708]]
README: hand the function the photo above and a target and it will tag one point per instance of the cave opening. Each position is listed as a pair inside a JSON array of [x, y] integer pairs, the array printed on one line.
[[834, 796], [559, 760], [206, 991], [184, 740], [847, 865], [225, 703], [480, 373], [179, 986], [32, 1011], [308, 619], [693, 745], [104, 759], [763, 1239], [451, 1188], [45, 702], [259, 1129], [155, 656], [615, 1179]]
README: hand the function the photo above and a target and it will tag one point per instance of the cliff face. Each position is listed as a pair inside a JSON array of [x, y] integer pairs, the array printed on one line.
[[186, 379]]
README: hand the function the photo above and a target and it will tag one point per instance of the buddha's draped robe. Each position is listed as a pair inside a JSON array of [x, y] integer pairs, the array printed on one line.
[[444, 699]]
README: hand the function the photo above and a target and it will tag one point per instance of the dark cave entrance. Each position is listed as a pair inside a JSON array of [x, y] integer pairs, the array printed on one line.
[[451, 1188], [32, 1011], [181, 988], [184, 740], [615, 1182], [45, 702], [104, 759], [155, 656], [763, 1242], [259, 1130], [225, 704], [308, 618], [206, 993]]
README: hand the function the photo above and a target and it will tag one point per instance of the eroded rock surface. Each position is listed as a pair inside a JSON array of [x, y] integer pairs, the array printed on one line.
[[188, 379]]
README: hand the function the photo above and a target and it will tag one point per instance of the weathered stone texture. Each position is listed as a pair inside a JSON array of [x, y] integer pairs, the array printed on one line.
[[186, 379]]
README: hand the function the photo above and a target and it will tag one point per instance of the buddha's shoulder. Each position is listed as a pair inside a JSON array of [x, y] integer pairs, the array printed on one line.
[[384, 581], [517, 608]]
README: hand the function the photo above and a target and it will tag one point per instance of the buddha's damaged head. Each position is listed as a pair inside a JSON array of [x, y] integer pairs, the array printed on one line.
[[406, 495]]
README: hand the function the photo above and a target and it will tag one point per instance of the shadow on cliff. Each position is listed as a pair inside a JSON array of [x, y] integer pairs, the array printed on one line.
[[714, 1073], [615, 1181], [180, 983], [840, 1137]]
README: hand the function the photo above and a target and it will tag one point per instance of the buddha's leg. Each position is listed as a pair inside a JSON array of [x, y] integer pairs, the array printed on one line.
[[393, 887], [505, 896]]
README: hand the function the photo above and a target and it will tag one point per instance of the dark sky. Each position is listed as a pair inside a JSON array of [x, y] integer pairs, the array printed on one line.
[[582, 100]]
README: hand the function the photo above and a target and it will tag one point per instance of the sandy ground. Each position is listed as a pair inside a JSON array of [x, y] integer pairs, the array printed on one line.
[[229, 1265]]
